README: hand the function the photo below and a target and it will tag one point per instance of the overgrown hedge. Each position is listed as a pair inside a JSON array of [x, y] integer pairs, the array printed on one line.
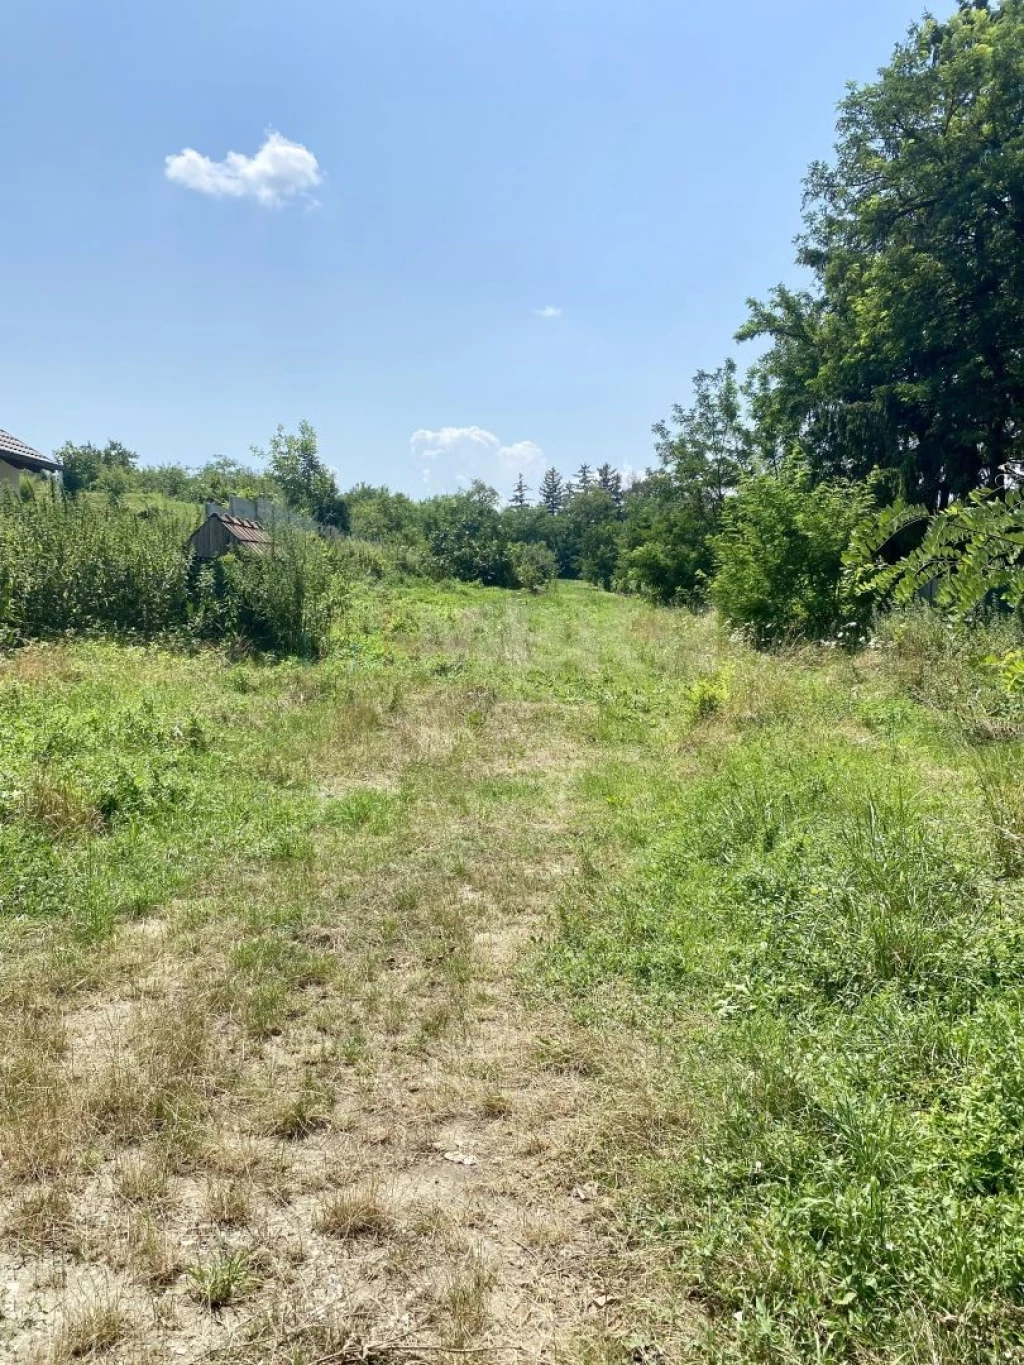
[[67, 566]]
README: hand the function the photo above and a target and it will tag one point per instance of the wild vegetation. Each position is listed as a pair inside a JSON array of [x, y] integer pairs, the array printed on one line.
[[417, 941]]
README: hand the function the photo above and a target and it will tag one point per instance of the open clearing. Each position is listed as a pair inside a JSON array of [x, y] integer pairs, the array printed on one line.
[[279, 1091], [538, 978]]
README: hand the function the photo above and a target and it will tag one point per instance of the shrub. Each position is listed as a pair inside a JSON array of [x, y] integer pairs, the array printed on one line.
[[534, 566], [284, 602], [466, 538], [779, 557], [74, 565]]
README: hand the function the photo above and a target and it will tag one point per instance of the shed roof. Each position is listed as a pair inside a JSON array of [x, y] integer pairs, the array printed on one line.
[[22, 456], [246, 532]]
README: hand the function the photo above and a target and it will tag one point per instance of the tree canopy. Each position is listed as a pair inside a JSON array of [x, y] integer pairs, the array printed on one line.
[[905, 351]]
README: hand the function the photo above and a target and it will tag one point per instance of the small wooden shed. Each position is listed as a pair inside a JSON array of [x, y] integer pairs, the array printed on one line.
[[220, 533]]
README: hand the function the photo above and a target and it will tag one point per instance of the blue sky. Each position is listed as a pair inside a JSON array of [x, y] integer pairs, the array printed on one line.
[[445, 173]]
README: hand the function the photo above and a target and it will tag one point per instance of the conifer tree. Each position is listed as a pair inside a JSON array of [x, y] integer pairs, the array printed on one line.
[[552, 492], [584, 478], [611, 481], [519, 498]]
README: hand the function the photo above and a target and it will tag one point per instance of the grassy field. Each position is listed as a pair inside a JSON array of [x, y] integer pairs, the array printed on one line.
[[535, 979]]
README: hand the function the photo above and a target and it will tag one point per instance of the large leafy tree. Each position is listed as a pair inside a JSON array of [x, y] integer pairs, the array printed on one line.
[[307, 484], [467, 537], [592, 536], [906, 352], [380, 515]]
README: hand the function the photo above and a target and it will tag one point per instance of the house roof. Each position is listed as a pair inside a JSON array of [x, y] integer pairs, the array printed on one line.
[[248, 533], [22, 456]]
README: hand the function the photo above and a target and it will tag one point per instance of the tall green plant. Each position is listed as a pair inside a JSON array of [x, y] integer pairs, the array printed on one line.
[[284, 602], [67, 565], [779, 557]]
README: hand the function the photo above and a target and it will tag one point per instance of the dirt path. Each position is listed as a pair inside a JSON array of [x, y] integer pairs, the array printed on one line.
[[310, 1113]]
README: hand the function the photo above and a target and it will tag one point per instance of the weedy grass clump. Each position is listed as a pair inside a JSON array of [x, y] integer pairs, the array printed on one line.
[[356, 1212], [222, 1281], [94, 1330]]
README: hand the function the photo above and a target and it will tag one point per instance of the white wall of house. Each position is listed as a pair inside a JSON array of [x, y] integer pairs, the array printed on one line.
[[9, 476]]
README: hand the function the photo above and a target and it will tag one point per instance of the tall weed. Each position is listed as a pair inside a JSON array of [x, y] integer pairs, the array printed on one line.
[[86, 566], [66, 566]]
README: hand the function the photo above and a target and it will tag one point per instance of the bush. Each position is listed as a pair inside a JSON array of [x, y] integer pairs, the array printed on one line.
[[74, 565], [466, 537], [284, 602], [533, 565], [779, 557]]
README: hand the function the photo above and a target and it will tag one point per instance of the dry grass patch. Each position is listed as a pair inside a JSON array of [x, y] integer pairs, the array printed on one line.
[[42, 1131], [460, 1310], [91, 1331], [357, 1212], [143, 1179], [495, 1105], [229, 1202], [59, 809], [299, 1113], [43, 1220], [153, 1256]]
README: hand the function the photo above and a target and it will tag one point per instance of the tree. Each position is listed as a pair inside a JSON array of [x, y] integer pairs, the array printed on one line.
[[85, 465], [970, 556], [610, 481], [591, 524], [305, 481], [665, 544], [710, 435], [533, 565], [222, 477], [906, 351], [466, 536], [378, 514], [671, 518], [584, 478], [519, 498], [552, 492]]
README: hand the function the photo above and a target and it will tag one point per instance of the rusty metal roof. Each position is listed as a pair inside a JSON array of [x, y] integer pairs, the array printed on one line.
[[23, 456], [248, 533]]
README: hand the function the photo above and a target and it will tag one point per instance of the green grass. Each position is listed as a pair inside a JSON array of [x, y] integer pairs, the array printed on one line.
[[810, 911], [796, 883], [126, 772]]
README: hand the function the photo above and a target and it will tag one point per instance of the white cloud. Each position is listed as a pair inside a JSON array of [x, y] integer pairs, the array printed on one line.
[[279, 171], [550, 311], [454, 456], [523, 456]]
